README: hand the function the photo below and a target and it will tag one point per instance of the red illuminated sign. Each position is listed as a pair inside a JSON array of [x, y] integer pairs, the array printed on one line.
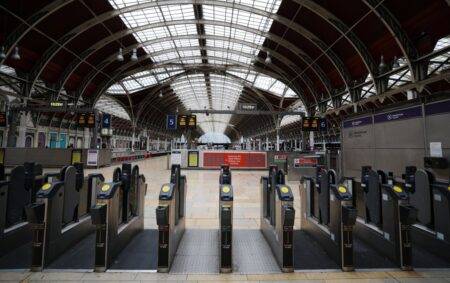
[[236, 159]]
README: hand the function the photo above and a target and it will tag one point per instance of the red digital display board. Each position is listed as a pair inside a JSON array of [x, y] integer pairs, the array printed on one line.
[[236, 159]]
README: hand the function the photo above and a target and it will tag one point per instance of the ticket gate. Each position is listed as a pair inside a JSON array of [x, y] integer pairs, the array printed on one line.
[[332, 223], [385, 218], [277, 217], [170, 218], [226, 220], [17, 190], [118, 214], [431, 198], [56, 219]]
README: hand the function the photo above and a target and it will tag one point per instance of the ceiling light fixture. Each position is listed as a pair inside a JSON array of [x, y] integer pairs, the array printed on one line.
[[396, 63], [382, 67], [268, 59], [120, 55], [134, 55], [2, 53], [16, 55]]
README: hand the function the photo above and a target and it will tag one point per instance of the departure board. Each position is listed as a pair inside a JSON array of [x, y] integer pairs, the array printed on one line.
[[314, 124], [2, 119], [86, 120], [187, 121]]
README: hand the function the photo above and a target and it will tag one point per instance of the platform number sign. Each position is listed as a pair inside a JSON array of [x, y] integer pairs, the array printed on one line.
[[322, 124], [171, 122], [106, 121]]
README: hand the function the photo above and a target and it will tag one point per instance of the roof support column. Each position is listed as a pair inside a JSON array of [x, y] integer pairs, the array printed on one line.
[[148, 141], [87, 138], [277, 127], [311, 141], [133, 138], [94, 143], [22, 130]]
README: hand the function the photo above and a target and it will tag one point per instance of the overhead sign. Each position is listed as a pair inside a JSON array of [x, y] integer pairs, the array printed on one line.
[[86, 120], [248, 106], [171, 122], [192, 121], [106, 121], [314, 124], [182, 121], [82, 120], [90, 121], [187, 121], [2, 119], [58, 104]]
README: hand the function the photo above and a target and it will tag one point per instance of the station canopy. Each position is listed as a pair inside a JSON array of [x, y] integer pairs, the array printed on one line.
[[230, 38]]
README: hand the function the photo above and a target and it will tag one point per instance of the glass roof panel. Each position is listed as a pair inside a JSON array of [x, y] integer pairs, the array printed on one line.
[[110, 106], [441, 62]]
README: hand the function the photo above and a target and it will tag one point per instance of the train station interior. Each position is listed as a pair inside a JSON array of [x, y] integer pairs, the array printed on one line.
[[225, 140]]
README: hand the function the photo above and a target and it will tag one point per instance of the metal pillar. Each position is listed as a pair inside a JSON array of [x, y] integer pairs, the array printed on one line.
[[311, 141], [87, 138]]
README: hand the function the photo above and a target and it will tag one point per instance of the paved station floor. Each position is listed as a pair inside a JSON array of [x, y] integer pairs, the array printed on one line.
[[202, 214]]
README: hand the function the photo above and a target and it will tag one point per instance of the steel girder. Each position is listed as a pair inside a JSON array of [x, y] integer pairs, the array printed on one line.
[[119, 71], [99, 93], [403, 88], [210, 48], [106, 84], [13, 39], [45, 59], [173, 78], [245, 83], [391, 23], [286, 44], [345, 32]]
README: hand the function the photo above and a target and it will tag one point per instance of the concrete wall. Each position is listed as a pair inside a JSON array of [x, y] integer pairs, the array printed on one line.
[[396, 138]]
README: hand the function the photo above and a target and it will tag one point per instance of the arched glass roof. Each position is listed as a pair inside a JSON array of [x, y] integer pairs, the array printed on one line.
[[224, 32]]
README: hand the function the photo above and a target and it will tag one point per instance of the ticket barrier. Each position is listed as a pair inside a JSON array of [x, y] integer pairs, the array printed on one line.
[[431, 198], [386, 217], [332, 224], [58, 218], [17, 190], [277, 217], [118, 214], [226, 220], [170, 218]]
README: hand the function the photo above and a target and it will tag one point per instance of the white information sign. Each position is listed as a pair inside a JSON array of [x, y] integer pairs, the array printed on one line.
[[92, 157], [435, 149], [175, 157]]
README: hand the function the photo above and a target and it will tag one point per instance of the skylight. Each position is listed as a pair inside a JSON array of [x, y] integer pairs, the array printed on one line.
[[110, 106]]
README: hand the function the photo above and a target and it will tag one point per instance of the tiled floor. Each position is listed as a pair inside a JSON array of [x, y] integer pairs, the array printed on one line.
[[202, 213]]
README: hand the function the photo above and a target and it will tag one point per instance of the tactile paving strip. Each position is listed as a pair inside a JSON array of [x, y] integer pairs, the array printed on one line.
[[198, 252], [252, 253]]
